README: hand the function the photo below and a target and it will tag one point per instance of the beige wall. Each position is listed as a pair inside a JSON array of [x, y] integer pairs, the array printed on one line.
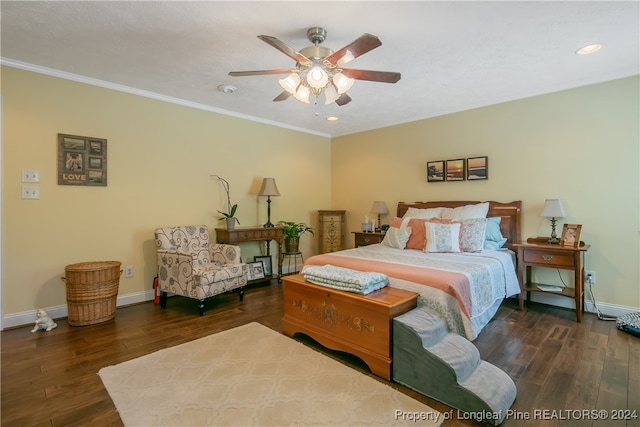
[[160, 160], [581, 146]]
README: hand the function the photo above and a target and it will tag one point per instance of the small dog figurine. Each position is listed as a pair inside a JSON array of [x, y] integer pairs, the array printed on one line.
[[43, 321]]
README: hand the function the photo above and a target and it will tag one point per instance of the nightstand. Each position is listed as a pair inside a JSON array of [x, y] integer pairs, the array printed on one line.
[[538, 253], [364, 239]]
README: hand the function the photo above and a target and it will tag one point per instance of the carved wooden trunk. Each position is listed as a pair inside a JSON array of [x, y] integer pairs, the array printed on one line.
[[345, 321]]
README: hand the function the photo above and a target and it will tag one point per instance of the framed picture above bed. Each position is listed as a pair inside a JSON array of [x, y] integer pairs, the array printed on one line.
[[435, 171], [455, 170], [477, 168]]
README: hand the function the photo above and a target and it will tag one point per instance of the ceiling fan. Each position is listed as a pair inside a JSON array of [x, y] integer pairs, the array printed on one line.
[[319, 69]]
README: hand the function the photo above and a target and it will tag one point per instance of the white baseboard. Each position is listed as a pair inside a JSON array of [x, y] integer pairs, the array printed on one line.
[[28, 317], [589, 306], [60, 311]]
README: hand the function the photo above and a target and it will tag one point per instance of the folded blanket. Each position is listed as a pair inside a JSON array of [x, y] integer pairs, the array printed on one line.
[[345, 279]]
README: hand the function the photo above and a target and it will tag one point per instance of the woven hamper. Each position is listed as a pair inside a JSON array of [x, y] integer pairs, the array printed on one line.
[[92, 291]]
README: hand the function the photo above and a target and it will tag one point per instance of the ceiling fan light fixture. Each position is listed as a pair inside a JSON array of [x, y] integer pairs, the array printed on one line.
[[342, 82], [302, 94], [317, 77], [290, 83], [330, 94]]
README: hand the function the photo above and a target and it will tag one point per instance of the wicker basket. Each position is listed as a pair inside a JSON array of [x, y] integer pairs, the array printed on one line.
[[92, 290]]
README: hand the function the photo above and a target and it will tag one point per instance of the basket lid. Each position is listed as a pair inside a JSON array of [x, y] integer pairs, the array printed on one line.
[[93, 265]]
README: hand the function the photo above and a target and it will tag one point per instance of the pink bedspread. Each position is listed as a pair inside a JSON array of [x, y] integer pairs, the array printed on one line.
[[453, 283]]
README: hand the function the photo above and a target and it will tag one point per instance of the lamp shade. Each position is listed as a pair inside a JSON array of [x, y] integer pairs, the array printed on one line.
[[379, 208], [553, 209], [269, 188]]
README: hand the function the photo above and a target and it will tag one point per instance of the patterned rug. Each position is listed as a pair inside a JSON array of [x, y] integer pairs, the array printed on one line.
[[253, 376]]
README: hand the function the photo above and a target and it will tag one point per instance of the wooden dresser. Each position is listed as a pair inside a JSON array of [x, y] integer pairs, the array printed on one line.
[[354, 323]]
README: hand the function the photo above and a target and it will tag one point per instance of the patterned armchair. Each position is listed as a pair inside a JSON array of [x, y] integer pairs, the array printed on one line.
[[189, 266]]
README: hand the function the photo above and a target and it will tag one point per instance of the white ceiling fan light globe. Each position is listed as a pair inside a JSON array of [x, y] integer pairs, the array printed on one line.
[[317, 77], [342, 82], [302, 94], [290, 83], [330, 94]]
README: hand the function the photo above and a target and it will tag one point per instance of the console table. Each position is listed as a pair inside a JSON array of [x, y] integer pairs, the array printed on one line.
[[254, 234]]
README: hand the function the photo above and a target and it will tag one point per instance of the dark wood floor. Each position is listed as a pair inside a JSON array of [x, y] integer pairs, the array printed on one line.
[[50, 378]]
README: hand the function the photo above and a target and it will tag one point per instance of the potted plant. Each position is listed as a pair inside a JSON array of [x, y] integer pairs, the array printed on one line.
[[229, 216], [292, 232]]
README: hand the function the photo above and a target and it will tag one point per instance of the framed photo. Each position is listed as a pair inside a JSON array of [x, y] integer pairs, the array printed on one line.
[[266, 264], [255, 271], [571, 235], [435, 171], [477, 168], [455, 170], [82, 160]]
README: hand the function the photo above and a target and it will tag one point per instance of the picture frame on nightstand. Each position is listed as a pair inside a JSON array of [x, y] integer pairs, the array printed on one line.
[[571, 235]]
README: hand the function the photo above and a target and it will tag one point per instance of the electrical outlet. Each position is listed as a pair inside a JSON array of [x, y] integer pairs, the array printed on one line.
[[590, 277], [128, 271]]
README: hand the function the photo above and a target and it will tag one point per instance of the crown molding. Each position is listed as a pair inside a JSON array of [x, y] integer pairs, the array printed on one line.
[[147, 94]]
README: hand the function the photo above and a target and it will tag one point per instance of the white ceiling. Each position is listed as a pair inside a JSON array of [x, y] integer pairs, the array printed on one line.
[[453, 55]]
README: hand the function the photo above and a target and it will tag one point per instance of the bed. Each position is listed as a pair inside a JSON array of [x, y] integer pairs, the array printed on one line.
[[464, 288]]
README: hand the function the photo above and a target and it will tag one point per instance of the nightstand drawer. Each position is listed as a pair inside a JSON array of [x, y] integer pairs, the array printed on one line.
[[555, 258], [364, 239]]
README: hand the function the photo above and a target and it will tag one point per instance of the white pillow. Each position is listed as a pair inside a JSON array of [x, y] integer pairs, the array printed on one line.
[[397, 237], [442, 237], [423, 213], [479, 210]]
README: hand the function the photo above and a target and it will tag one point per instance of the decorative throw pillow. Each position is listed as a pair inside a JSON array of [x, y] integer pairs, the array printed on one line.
[[472, 234], [442, 237], [423, 213], [397, 237], [418, 238], [479, 210], [494, 239]]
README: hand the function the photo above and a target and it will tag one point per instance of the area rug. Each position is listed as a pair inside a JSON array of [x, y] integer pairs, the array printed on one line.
[[253, 376]]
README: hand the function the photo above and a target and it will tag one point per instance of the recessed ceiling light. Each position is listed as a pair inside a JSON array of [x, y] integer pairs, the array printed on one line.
[[332, 118], [586, 50], [227, 88]]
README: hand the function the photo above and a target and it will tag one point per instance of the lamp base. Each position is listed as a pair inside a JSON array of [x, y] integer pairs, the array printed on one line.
[[268, 225], [554, 237]]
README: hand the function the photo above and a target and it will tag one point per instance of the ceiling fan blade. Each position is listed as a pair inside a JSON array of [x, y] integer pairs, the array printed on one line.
[[283, 95], [286, 49], [259, 72], [361, 45], [344, 99], [374, 76]]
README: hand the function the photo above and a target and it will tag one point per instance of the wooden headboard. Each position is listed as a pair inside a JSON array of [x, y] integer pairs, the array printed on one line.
[[510, 213]]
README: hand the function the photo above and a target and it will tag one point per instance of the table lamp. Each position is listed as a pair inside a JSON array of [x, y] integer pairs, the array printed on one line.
[[553, 209], [269, 189], [379, 208]]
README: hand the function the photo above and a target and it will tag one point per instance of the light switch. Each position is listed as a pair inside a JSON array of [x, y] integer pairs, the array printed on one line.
[[30, 192], [30, 175]]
